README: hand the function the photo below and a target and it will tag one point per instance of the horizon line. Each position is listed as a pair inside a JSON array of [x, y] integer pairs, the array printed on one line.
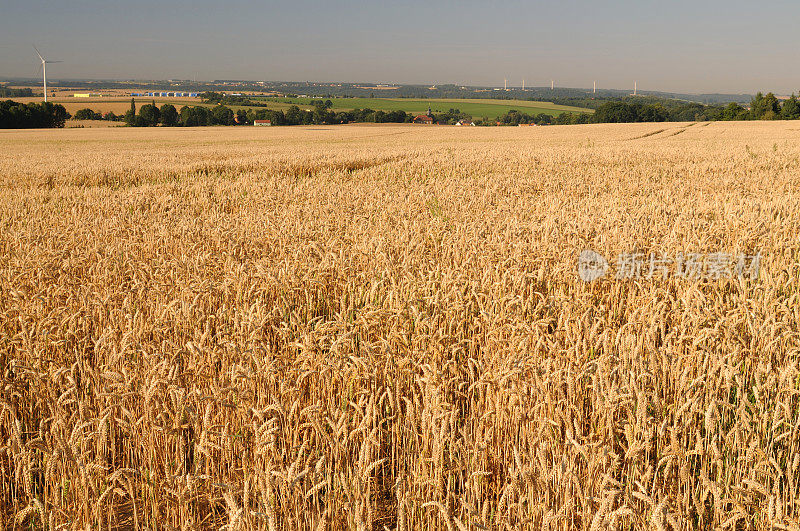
[[11, 79]]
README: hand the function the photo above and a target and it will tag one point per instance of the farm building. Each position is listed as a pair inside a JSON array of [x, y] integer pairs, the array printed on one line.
[[465, 122], [262, 122]]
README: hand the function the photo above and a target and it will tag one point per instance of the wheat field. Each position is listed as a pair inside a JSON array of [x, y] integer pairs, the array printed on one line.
[[383, 327]]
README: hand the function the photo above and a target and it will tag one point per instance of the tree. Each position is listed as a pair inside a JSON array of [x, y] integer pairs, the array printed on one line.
[[196, 116], [615, 112], [87, 114], [321, 114], [54, 115], [169, 116], [241, 117], [343, 117], [293, 115], [563, 119], [652, 113], [211, 97], [130, 115], [222, 115], [772, 103], [734, 111], [32, 115], [765, 107], [791, 109], [149, 115]]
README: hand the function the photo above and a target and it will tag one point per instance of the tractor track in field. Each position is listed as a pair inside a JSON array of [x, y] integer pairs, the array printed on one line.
[[659, 131]]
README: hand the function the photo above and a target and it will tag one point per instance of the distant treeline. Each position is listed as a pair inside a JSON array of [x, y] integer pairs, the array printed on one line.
[[644, 109], [631, 109], [762, 107], [322, 114], [167, 115], [220, 98], [8, 92], [89, 114], [15, 115], [189, 116]]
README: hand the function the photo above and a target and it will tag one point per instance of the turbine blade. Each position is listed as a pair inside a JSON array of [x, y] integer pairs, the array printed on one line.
[[37, 53], [50, 62]]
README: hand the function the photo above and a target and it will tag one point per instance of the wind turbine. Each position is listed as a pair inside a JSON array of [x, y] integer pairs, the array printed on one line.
[[44, 70]]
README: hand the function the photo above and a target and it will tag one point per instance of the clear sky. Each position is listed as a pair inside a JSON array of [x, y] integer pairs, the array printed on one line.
[[679, 45]]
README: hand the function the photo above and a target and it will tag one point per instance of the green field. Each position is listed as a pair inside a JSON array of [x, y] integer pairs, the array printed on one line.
[[477, 108]]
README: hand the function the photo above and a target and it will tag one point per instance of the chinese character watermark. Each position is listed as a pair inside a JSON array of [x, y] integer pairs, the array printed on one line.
[[591, 266], [691, 266]]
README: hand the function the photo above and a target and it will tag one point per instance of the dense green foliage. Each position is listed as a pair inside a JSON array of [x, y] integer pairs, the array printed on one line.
[[220, 98], [89, 114], [648, 109], [169, 115], [150, 115], [15, 115], [515, 117], [8, 92], [322, 114], [193, 116]]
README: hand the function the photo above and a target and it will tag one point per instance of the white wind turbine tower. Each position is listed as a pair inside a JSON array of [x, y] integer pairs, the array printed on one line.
[[44, 71]]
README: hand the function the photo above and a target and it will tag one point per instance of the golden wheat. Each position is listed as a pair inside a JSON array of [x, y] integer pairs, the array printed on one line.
[[383, 328]]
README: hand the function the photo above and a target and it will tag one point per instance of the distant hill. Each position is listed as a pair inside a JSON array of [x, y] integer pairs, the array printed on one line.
[[581, 97]]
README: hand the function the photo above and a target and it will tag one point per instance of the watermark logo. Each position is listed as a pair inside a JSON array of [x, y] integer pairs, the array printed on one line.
[[591, 266], [692, 266]]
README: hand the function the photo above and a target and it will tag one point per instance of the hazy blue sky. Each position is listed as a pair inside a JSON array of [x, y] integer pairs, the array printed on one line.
[[679, 45]]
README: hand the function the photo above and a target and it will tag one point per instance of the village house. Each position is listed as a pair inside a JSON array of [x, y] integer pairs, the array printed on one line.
[[425, 118]]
